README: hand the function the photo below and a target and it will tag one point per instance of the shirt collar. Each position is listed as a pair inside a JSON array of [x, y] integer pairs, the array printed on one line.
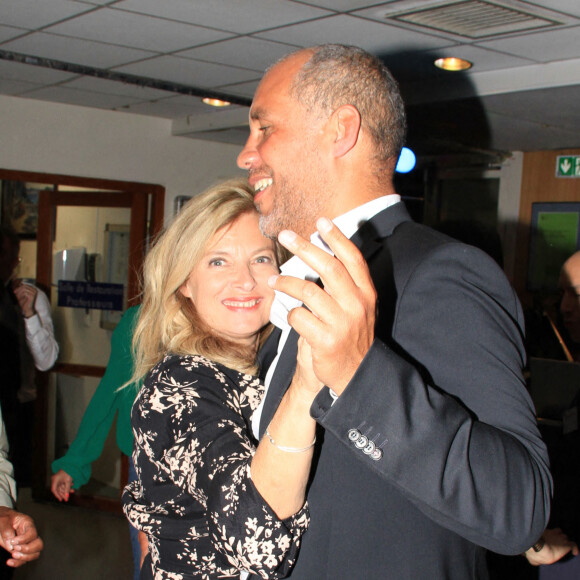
[[348, 223]]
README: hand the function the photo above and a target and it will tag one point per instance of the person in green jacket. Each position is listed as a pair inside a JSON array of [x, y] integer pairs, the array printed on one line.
[[73, 470]]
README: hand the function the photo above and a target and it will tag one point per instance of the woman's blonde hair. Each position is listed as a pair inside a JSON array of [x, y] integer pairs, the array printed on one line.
[[168, 321]]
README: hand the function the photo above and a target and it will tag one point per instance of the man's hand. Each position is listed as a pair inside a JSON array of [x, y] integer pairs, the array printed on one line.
[[26, 296], [61, 485], [339, 320], [18, 535], [556, 546]]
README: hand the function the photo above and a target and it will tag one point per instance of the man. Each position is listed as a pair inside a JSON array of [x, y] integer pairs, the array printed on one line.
[[428, 446], [27, 343], [18, 533]]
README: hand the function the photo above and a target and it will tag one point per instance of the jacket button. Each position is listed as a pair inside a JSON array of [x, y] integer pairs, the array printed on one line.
[[353, 434], [376, 454], [369, 448], [361, 442]]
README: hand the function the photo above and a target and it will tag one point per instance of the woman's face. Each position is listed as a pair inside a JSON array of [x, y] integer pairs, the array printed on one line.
[[229, 285]]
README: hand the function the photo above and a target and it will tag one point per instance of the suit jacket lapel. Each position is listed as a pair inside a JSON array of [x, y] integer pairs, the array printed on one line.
[[281, 380], [267, 352], [369, 237]]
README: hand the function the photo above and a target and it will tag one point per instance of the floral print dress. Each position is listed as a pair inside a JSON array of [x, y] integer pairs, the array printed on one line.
[[194, 497]]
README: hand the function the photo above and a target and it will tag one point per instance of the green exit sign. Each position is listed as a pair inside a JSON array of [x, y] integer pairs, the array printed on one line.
[[568, 166]]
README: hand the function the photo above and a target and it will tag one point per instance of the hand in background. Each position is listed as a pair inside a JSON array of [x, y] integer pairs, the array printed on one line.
[[61, 485], [26, 296], [556, 546], [18, 536]]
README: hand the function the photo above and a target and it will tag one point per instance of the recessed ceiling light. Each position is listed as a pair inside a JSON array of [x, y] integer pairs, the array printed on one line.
[[453, 64], [216, 102]]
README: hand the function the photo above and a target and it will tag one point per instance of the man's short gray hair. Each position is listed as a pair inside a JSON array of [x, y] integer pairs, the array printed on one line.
[[339, 75]]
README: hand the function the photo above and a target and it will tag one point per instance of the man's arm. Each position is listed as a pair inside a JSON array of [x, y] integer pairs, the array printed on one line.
[[38, 324], [462, 445]]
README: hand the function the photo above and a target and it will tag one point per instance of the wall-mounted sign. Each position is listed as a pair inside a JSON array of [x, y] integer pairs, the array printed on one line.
[[568, 166], [90, 295]]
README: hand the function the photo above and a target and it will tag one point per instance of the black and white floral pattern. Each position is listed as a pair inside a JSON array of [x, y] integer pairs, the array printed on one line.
[[194, 496]]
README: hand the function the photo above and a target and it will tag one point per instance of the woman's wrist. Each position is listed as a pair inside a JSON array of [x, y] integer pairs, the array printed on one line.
[[288, 449]]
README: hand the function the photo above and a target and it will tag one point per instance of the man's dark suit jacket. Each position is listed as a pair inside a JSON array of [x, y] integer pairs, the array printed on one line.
[[431, 454]]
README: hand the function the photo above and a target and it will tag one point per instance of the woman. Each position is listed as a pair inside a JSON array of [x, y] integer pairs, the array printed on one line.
[[211, 503]]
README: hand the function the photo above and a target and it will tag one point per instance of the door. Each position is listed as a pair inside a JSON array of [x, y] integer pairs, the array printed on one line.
[[86, 240]]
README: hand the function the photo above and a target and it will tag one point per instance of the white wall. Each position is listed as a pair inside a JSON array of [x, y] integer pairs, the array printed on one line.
[[71, 140]]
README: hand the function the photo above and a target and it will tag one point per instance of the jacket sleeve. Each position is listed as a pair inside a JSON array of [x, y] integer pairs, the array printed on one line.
[[100, 413], [443, 410]]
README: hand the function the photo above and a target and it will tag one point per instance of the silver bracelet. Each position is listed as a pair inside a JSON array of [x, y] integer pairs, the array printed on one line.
[[289, 449]]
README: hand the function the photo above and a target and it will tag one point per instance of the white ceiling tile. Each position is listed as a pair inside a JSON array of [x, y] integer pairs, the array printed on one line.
[[372, 36], [8, 32], [242, 89], [33, 74], [240, 16], [60, 94], [246, 52], [14, 87], [483, 59], [564, 6], [137, 31], [516, 134], [93, 2], [341, 5], [74, 50], [188, 71], [531, 105], [112, 87], [541, 46], [170, 108], [32, 14], [418, 66]]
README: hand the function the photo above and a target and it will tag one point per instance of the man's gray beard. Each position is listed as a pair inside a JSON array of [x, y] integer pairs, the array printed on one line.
[[266, 231], [294, 210]]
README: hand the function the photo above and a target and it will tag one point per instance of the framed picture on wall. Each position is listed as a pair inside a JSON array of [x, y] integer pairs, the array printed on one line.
[[19, 207], [554, 237]]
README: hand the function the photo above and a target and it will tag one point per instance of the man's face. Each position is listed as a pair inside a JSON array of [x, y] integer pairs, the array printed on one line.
[[570, 304], [284, 156]]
